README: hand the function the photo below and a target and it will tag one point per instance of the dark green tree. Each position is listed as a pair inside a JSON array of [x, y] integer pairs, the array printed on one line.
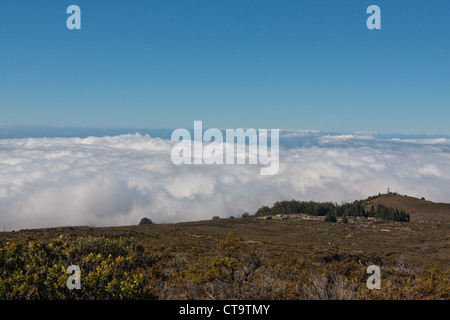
[[330, 217], [145, 221], [344, 219]]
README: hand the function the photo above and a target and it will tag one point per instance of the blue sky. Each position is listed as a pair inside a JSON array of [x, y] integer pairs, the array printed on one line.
[[264, 64]]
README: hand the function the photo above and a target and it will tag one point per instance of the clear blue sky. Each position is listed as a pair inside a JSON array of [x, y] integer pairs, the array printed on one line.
[[235, 63]]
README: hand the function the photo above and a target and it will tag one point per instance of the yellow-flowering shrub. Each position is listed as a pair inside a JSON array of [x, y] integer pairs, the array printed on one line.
[[110, 269], [213, 268]]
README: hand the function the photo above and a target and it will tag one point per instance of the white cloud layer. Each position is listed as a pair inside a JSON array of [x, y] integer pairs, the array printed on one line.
[[117, 180]]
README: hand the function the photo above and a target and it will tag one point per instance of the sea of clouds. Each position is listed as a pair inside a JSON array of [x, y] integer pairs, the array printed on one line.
[[117, 180]]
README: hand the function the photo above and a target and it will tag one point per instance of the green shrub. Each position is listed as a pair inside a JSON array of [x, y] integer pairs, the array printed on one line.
[[330, 217], [110, 269], [145, 221]]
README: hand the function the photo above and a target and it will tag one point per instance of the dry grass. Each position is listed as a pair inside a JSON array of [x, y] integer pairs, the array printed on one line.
[[417, 242], [292, 259], [420, 210]]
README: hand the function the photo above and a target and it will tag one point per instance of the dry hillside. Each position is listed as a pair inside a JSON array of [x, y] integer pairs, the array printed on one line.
[[419, 210]]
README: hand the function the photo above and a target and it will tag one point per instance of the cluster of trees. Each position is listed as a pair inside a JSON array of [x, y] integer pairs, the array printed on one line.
[[332, 210], [386, 213], [294, 206]]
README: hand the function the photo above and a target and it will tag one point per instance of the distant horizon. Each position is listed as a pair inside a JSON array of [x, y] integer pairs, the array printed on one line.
[[55, 131]]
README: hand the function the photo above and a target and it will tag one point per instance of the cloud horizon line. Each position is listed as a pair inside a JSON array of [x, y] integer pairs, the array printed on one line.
[[117, 180]]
